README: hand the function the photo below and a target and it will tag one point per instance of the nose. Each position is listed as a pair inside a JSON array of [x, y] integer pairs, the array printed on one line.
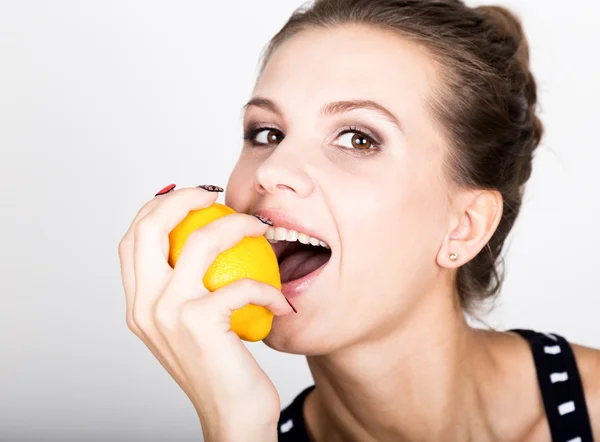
[[284, 172]]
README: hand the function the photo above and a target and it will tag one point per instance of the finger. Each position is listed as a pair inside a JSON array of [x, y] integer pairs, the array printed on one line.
[[201, 334], [126, 249], [199, 252], [151, 244], [201, 249], [126, 261], [144, 210], [150, 267], [213, 312], [246, 291]]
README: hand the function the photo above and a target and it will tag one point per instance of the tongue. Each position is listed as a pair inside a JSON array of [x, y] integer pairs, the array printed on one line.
[[300, 264]]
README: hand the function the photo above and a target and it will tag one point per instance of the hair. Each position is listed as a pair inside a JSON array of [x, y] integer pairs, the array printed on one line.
[[484, 106]]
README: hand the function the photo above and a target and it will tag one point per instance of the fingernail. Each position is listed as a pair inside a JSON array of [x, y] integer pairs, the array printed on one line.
[[211, 188], [166, 189], [264, 220], [288, 301]]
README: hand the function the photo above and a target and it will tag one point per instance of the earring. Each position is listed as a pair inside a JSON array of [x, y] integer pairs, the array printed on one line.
[[453, 257]]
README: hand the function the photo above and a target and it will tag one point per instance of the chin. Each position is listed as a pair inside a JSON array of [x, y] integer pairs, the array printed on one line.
[[288, 336], [287, 339]]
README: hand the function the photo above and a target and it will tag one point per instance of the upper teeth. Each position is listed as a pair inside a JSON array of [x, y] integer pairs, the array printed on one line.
[[283, 234]]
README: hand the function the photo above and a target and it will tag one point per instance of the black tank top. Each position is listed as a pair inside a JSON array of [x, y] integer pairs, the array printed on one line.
[[558, 379]]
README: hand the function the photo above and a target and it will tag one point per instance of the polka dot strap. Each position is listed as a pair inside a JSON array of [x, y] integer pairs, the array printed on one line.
[[561, 387]]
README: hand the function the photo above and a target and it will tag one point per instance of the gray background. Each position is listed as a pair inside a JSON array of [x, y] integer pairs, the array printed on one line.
[[102, 103]]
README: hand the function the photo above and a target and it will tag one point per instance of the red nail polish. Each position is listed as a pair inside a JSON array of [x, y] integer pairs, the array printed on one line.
[[166, 189]]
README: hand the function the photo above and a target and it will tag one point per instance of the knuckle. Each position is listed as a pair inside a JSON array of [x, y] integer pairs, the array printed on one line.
[[207, 239], [124, 245], [197, 234], [144, 227], [131, 325], [214, 245], [190, 316], [242, 220], [147, 207], [251, 286], [134, 328], [239, 217], [140, 320], [164, 317]]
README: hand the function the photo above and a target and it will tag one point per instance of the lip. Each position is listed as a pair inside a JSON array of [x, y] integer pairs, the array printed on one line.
[[294, 288], [281, 219]]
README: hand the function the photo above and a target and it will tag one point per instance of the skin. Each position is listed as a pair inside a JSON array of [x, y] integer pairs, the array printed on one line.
[[386, 342], [188, 331]]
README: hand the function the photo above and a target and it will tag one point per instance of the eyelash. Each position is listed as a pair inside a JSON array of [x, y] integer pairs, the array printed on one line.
[[254, 129]]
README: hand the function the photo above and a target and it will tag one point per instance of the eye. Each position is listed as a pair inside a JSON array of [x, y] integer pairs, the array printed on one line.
[[355, 139], [264, 136]]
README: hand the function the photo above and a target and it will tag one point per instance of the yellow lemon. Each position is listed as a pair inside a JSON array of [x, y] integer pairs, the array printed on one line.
[[252, 257]]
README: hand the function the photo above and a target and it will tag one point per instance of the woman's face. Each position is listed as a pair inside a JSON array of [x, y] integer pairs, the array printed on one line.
[[342, 142]]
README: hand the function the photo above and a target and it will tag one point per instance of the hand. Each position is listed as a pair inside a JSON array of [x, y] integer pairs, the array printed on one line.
[[187, 328]]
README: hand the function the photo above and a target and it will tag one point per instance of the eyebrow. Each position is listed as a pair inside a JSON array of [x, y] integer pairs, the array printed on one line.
[[333, 108]]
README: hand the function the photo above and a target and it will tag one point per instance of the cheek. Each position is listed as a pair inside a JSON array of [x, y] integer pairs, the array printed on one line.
[[393, 233], [239, 192]]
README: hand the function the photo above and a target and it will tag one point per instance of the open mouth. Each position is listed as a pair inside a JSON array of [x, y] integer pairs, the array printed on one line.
[[298, 254]]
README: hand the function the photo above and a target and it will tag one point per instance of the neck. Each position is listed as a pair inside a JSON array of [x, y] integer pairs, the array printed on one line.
[[415, 383]]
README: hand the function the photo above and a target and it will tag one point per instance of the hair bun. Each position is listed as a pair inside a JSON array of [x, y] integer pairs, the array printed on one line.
[[512, 50], [507, 26]]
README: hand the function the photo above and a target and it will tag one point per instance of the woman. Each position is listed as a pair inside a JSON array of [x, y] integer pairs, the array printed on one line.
[[400, 135]]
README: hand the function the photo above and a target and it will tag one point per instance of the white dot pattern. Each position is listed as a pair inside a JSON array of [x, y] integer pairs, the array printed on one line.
[[286, 426], [552, 349], [561, 387], [559, 377], [558, 380], [566, 408]]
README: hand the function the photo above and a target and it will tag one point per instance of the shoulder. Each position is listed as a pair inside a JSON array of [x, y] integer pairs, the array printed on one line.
[[548, 358], [588, 363]]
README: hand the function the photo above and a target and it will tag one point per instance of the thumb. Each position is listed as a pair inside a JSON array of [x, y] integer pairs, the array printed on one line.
[[242, 292]]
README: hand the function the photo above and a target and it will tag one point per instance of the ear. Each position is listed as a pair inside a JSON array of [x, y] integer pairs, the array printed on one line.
[[476, 218]]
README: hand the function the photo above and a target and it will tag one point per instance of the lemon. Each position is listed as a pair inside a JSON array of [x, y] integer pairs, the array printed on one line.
[[252, 257]]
